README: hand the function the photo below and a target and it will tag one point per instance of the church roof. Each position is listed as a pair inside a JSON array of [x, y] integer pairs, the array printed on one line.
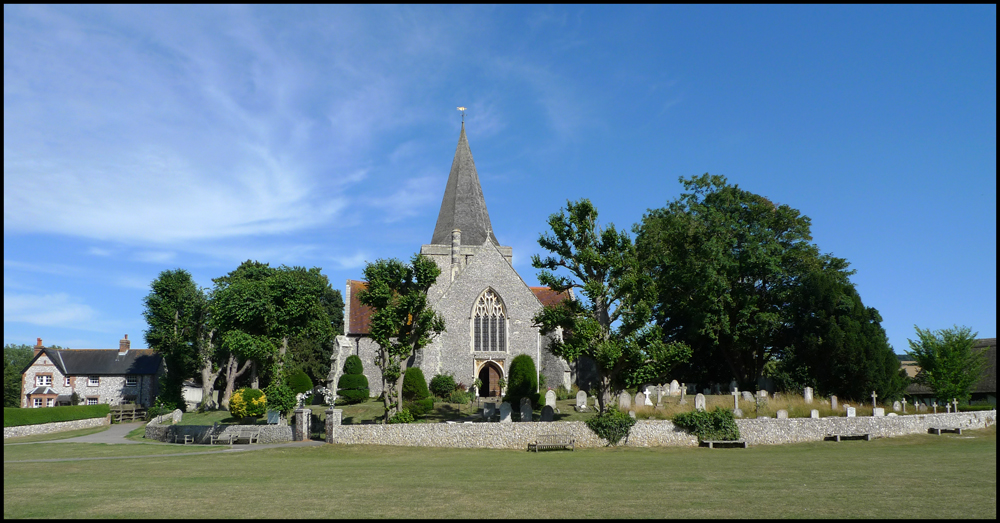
[[463, 206], [549, 297]]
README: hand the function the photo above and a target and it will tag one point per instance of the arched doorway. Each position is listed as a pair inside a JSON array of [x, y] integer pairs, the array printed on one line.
[[490, 374]]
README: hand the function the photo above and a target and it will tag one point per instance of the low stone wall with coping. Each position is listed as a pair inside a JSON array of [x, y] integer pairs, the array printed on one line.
[[162, 429], [645, 433], [57, 426]]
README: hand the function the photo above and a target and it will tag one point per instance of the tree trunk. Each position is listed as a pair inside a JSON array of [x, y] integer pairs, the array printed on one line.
[[254, 378], [231, 375], [208, 377]]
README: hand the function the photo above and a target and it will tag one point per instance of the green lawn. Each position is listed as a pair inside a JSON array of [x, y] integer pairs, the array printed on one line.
[[908, 477], [56, 435]]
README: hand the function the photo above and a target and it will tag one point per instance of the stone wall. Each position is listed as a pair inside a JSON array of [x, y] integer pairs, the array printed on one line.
[[168, 432], [58, 426], [645, 433]]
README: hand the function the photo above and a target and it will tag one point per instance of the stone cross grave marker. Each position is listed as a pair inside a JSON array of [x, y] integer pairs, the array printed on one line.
[[581, 401], [874, 404], [814, 414], [736, 400], [649, 392], [833, 402], [935, 406], [675, 388], [550, 398], [683, 400], [640, 399], [659, 395], [807, 394], [489, 410], [699, 402], [782, 414], [904, 405], [897, 406], [505, 412], [954, 402], [525, 409], [547, 413], [947, 406], [624, 401], [878, 412], [850, 411]]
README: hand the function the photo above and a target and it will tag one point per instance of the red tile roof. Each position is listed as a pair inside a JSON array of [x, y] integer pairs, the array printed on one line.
[[548, 296]]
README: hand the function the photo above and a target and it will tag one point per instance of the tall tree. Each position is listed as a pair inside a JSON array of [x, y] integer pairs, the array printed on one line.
[[402, 322], [176, 310], [726, 263], [610, 325], [15, 359], [948, 363]]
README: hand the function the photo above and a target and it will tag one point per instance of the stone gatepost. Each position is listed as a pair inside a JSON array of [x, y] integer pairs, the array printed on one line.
[[303, 425], [333, 418]]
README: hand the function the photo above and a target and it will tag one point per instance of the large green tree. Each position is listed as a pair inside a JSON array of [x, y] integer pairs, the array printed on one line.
[[15, 359], [726, 263], [949, 364], [610, 324], [176, 311], [402, 322]]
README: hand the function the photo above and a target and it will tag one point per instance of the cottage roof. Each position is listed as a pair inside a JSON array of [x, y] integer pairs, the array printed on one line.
[[104, 362], [463, 206]]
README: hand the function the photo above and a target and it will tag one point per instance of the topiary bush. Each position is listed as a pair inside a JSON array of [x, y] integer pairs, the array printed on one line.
[[613, 425], [716, 425], [522, 381], [414, 385], [299, 382], [443, 385], [419, 407], [352, 387], [247, 402], [280, 397], [402, 416]]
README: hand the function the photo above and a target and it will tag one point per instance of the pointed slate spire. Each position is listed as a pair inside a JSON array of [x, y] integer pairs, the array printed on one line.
[[463, 206]]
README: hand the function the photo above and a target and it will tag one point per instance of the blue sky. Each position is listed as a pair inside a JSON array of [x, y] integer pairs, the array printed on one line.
[[140, 139]]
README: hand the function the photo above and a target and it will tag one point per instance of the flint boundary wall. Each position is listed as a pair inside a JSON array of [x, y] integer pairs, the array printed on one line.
[[645, 433], [56, 426], [162, 429]]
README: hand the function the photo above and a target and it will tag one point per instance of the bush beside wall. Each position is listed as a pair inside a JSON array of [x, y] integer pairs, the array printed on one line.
[[14, 417]]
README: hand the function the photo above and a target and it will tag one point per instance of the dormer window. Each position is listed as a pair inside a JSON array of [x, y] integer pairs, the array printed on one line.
[[489, 323]]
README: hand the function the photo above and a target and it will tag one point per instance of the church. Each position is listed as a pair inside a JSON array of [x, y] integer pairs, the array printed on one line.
[[486, 305]]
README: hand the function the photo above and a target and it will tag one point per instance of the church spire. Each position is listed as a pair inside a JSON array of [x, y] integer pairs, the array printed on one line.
[[463, 206]]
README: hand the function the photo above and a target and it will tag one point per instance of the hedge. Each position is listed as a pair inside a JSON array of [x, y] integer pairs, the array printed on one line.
[[15, 417]]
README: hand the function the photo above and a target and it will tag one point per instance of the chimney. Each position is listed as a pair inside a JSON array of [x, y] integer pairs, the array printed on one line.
[[123, 345], [38, 346], [456, 253]]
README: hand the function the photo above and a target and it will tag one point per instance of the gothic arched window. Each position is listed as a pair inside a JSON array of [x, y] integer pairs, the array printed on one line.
[[489, 323]]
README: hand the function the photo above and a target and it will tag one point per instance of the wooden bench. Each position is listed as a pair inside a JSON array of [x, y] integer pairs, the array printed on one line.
[[550, 442], [840, 437], [221, 436], [250, 434], [719, 444], [939, 430], [183, 438]]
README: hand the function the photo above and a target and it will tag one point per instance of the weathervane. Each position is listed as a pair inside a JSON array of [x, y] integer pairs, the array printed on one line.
[[463, 113]]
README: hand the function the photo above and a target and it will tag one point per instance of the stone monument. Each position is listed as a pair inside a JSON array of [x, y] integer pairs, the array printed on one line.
[[699, 402]]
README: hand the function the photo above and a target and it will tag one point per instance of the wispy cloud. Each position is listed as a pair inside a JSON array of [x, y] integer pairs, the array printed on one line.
[[59, 309]]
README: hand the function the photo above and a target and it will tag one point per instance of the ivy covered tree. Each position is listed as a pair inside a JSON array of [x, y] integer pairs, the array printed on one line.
[[610, 324], [949, 364], [402, 322]]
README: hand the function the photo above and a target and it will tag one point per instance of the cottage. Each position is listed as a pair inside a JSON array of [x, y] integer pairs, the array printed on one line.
[[94, 375]]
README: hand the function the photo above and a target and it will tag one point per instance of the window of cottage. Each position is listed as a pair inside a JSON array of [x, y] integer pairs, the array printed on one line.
[[37, 402], [93, 381], [67, 381], [489, 323], [131, 380], [49, 402], [91, 401], [43, 380]]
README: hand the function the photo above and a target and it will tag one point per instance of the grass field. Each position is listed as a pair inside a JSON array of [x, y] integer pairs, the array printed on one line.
[[917, 476], [56, 435]]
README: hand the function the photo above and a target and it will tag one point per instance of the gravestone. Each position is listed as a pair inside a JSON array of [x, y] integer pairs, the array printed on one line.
[[273, 416], [747, 396], [631, 414], [850, 411], [897, 406], [640, 399], [777, 396], [736, 401], [675, 388], [659, 395], [489, 410], [922, 408], [947, 406], [733, 387], [954, 402], [833, 402], [547, 413], [807, 395], [762, 395], [935, 406], [649, 392], [904, 405], [782, 414], [891, 414], [505, 412], [624, 401], [738, 413], [581, 401], [550, 398], [878, 412], [699, 402], [814, 414], [525, 409], [683, 400]]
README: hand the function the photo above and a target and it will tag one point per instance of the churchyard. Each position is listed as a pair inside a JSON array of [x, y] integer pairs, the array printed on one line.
[[917, 476]]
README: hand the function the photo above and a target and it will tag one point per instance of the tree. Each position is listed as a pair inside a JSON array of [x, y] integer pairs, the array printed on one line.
[[176, 310], [15, 359], [948, 363], [402, 322], [835, 343], [726, 263], [610, 324]]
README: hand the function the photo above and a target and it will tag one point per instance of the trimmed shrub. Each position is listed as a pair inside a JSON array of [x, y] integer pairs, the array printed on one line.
[[414, 385], [522, 381], [613, 425], [352, 382], [442, 385], [299, 382], [402, 416], [716, 425], [353, 365], [280, 397], [15, 417], [459, 396], [419, 407], [247, 402]]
